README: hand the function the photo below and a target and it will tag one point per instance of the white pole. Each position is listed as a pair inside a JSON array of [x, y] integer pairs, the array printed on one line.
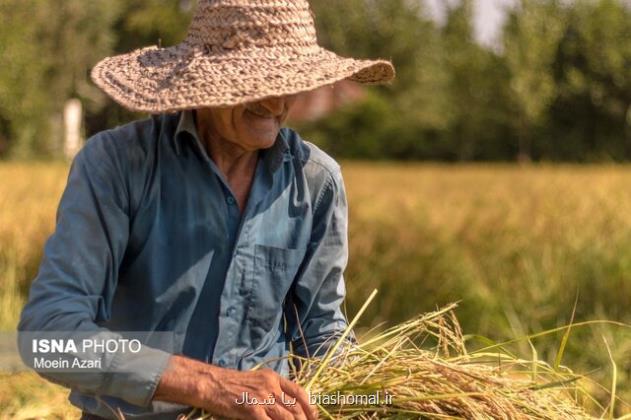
[[72, 125]]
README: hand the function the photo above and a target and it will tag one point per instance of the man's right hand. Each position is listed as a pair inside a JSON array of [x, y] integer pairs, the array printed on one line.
[[258, 395]]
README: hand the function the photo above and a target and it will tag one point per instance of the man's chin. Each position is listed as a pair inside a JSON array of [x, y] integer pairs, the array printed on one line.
[[268, 143], [265, 141]]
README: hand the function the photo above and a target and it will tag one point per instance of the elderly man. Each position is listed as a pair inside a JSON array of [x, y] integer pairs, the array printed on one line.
[[207, 221]]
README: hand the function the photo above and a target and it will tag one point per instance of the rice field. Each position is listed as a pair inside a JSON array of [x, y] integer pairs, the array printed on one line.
[[516, 246]]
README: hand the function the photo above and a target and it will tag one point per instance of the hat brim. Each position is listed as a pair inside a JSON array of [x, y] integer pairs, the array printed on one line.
[[158, 80]]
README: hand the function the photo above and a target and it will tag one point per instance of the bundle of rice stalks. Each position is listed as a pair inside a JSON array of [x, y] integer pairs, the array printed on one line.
[[422, 369]]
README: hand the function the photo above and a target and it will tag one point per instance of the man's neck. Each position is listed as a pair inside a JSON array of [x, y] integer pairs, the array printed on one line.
[[231, 159], [235, 163]]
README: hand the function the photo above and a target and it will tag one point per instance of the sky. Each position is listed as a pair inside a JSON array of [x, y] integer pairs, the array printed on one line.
[[489, 17]]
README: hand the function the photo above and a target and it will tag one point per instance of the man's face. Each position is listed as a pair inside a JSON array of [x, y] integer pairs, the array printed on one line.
[[251, 126]]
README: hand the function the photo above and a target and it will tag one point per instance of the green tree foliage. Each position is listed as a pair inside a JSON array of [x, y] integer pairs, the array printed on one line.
[[591, 117], [558, 87], [448, 101], [46, 49], [403, 119], [476, 92], [531, 39]]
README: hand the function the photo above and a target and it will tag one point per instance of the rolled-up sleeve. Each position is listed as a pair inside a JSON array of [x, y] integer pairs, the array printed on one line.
[[76, 282], [319, 289]]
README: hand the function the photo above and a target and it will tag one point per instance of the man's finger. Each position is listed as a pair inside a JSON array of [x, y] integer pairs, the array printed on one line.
[[257, 413], [279, 411], [294, 407], [296, 391]]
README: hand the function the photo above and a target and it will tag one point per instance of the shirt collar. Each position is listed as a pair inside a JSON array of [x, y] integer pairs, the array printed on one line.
[[275, 155], [186, 130], [185, 127]]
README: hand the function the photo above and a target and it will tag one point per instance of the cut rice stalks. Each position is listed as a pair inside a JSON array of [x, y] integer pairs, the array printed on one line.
[[422, 369]]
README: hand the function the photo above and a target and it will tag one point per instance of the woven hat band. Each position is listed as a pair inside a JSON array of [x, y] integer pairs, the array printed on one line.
[[221, 25]]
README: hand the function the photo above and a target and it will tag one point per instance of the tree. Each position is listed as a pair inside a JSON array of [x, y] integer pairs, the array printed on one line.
[[531, 39], [400, 120], [48, 47], [477, 82], [23, 98], [592, 114]]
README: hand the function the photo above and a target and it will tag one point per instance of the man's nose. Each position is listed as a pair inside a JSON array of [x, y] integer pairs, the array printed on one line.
[[275, 106]]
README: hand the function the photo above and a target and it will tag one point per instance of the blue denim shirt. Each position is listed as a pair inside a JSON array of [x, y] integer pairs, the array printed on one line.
[[149, 237]]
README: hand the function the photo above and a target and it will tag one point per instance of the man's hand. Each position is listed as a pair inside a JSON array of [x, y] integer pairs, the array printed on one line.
[[258, 395]]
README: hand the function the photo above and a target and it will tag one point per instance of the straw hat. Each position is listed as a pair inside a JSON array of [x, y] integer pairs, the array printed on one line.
[[236, 51]]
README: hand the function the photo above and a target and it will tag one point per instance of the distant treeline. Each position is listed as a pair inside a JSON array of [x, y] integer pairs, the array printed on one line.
[[557, 87]]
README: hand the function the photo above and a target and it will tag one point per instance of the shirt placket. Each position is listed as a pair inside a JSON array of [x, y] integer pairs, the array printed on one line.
[[234, 297], [230, 312]]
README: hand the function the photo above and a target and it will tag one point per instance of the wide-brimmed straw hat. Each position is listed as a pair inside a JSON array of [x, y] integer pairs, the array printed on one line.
[[236, 51]]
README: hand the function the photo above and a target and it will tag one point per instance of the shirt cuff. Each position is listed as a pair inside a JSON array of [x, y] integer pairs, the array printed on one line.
[[135, 376]]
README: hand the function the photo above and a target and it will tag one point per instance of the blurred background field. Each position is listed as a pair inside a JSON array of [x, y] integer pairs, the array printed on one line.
[[26, 396], [492, 173], [514, 244]]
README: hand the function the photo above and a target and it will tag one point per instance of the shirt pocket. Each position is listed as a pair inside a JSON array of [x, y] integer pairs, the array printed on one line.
[[274, 272]]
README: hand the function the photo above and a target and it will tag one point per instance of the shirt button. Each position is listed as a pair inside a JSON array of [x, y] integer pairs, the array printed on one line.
[[230, 200], [221, 362], [231, 311]]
